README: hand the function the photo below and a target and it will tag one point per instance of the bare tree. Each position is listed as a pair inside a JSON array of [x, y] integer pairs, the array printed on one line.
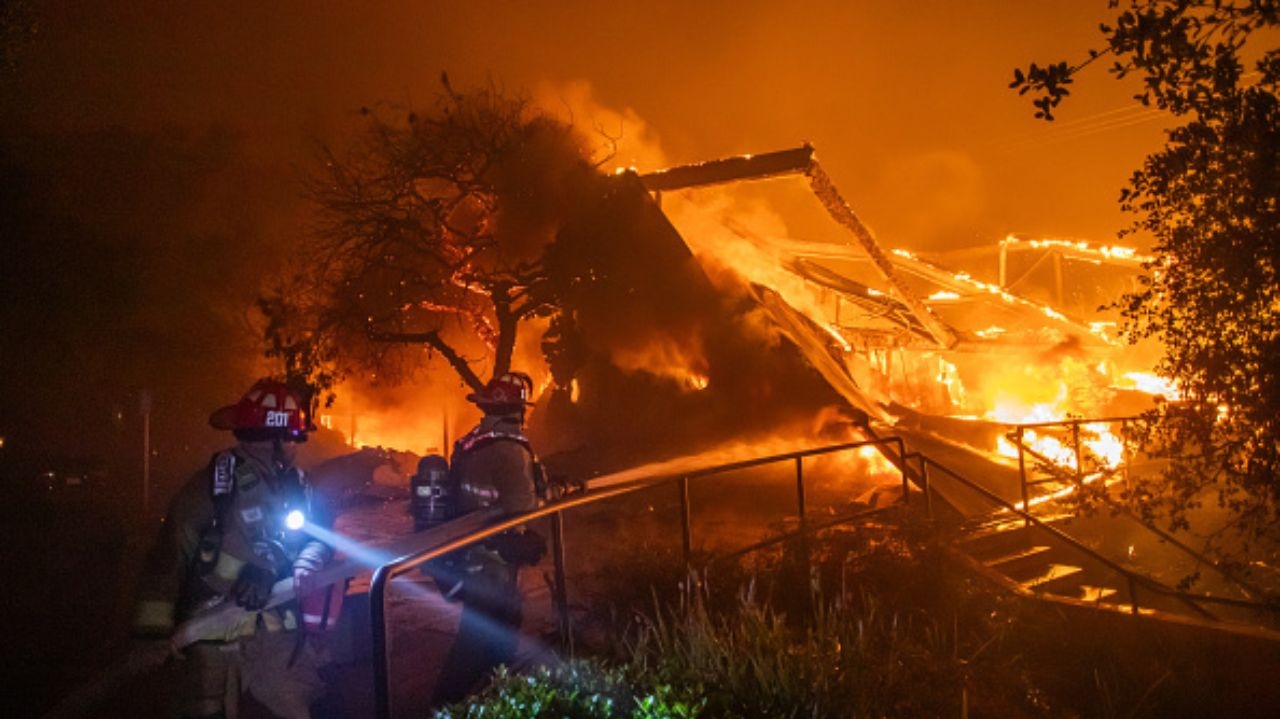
[[432, 230]]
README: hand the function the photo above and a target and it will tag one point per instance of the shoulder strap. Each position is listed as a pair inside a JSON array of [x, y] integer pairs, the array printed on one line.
[[475, 440]]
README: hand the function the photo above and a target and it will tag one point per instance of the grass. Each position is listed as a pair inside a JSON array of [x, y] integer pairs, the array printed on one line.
[[881, 625]]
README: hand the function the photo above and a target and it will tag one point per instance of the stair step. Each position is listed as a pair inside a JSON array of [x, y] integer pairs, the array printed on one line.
[[1091, 593], [1052, 574], [1019, 561], [992, 543], [1124, 608]]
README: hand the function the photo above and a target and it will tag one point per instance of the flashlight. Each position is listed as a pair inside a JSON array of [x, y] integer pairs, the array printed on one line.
[[295, 519]]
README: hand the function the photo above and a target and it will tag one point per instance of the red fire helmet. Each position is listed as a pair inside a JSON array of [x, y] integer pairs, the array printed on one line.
[[510, 389], [269, 409]]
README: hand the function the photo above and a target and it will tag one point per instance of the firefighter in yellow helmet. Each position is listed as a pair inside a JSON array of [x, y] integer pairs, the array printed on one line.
[[233, 530], [493, 466]]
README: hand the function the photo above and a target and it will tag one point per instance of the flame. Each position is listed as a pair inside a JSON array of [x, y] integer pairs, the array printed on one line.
[[1110, 252], [682, 363], [1152, 384], [944, 295], [876, 463], [742, 236], [1055, 406], [1049, 447], [949, 377], [1104, 445]]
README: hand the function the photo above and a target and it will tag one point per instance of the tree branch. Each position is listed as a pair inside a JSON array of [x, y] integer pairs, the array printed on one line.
[[434, 340]]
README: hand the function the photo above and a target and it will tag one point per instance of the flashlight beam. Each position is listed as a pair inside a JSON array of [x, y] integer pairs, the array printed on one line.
[[219, 619]]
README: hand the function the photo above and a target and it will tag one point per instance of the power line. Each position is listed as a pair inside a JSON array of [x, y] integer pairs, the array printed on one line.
[[1105, 121]]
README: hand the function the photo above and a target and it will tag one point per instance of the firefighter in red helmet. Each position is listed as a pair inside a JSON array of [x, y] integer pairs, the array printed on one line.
[[233, 530], [493, 465]]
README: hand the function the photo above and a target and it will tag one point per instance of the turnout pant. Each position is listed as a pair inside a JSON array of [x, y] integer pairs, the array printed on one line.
[[215, 674], [487, 634]]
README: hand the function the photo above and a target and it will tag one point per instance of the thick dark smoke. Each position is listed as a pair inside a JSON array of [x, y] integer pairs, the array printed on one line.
[[705, 371]]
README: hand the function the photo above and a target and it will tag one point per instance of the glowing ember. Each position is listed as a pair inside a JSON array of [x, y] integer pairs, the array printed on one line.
[[944, 295]]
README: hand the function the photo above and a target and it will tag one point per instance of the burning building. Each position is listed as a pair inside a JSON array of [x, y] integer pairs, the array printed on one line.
[[746, 298], [748, 287]]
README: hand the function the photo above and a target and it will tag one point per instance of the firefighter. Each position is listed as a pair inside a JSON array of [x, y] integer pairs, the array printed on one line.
[[233, 530], [493, 466]]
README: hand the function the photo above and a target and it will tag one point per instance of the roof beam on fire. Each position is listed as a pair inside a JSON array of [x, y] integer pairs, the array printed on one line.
[[843, 214], [961, 284], [967, 286], [732, 169], [801, 161], [860, 295]]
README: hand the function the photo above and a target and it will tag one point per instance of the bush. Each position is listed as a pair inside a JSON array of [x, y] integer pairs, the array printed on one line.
[[580, 689]]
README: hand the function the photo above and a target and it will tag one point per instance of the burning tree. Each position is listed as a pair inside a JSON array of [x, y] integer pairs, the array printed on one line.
[[1211, 200], [432, 230]]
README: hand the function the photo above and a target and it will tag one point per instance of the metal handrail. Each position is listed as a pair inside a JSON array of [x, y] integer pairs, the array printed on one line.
[[1133, 578], [1016, 435], [384, 573], [1058, 474]]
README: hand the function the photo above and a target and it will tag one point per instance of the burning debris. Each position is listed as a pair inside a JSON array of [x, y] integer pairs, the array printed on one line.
[[898, 335]]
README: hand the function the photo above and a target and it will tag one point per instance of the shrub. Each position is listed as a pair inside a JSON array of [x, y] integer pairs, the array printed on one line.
[[580, 689]]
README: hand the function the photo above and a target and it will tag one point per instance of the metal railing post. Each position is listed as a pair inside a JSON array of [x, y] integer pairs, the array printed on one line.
[[800, 498], [806, 562], [381, 656], [561, 589], [1124, 451], [1133, 595], [1075, 438], [928, 491], [686, 535], [1022, 476], [902, 465]]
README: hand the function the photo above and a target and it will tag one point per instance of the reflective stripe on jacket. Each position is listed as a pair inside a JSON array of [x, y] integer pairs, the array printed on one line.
[[176, 582]]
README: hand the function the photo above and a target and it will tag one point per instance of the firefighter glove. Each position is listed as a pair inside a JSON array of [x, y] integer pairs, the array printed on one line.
[[252, 589], [522, 548]]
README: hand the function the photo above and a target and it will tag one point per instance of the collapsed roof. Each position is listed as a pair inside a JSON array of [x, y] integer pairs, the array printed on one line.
[[905, 300]]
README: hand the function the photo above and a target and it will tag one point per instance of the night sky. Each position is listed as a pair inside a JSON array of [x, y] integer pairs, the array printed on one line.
[[152, 153]]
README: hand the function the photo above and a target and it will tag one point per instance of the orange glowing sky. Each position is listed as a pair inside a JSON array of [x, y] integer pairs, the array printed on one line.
[[905, 101]]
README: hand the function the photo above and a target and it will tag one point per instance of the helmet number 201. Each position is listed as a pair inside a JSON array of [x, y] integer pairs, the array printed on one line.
[[277, 419]]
